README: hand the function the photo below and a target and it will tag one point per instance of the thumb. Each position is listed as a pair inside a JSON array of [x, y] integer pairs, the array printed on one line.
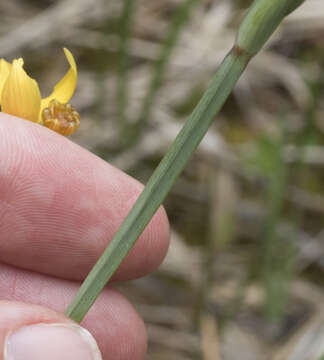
[[32, 332]]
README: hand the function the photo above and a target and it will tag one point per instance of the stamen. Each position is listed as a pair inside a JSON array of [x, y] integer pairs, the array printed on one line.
[[62, 118]]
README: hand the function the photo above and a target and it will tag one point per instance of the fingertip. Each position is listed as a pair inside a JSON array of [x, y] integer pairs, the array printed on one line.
[[25, 330], [112, 320], [16, 315], [64, 203]]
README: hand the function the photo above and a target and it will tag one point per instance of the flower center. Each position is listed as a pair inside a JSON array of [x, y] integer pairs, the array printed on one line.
[[62, 118]]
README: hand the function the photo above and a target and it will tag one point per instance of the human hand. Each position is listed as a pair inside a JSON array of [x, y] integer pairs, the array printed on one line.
[[59, 207]]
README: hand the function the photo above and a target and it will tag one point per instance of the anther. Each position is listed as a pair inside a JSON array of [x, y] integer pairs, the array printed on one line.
[[62, 118]]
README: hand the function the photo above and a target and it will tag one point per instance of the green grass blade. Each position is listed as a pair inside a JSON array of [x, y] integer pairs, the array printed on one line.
[[122, 64], [132, 133], [160, 183], [171, 165]]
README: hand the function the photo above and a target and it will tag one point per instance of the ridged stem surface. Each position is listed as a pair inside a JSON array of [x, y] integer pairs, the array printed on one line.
[[260, 22]]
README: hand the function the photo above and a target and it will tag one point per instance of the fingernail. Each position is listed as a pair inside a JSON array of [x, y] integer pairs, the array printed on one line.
[[51, 342]]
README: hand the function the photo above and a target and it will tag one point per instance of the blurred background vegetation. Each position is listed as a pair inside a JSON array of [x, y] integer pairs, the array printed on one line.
[[244, 274]]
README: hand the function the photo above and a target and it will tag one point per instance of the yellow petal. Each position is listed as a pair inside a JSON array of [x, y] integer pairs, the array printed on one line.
[[64, 89], [5, 68], [20, 94]]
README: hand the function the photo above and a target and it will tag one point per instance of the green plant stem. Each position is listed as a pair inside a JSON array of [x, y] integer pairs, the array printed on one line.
[[125, 29], [178, 155], [133, 132], [160, 182]]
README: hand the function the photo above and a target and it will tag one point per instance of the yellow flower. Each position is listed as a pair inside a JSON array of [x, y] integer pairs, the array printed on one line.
[[20, 96]]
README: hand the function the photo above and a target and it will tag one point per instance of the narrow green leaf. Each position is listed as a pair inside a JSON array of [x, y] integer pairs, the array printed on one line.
[[125, 31], [172, 164], [132, 132], [159, 184]]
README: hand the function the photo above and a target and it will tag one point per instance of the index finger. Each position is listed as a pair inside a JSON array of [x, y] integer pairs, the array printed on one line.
[[60, 206]]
